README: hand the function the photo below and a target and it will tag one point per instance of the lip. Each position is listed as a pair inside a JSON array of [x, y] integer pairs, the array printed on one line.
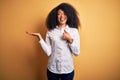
[[62, 19]]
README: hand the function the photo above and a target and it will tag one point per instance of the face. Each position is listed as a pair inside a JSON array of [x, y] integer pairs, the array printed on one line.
[[61, 17]]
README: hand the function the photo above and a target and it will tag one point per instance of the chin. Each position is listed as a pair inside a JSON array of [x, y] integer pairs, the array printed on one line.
[[62, 23]]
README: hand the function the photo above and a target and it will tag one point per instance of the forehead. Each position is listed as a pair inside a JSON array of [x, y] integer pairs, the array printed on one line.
[[60, 11]]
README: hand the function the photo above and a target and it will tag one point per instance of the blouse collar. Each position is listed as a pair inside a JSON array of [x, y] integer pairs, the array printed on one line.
[[66, 27]]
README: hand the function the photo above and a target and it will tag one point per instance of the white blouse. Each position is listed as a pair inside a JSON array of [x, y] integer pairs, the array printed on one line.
[[60, 51]]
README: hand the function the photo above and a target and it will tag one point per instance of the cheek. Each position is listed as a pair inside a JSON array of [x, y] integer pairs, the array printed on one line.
[[65, 16], [58, 17]]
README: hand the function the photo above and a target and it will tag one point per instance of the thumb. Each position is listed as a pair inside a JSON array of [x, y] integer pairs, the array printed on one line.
[[65, 31]]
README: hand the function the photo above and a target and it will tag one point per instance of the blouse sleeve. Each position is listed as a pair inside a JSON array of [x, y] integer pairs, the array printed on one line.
[[46, 45], [75, 46]]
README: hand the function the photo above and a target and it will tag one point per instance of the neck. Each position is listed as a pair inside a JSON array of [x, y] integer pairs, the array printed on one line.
[[61, 25]]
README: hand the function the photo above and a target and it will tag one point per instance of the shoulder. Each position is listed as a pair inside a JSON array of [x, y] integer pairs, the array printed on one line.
[[51, 32], [73, 30]]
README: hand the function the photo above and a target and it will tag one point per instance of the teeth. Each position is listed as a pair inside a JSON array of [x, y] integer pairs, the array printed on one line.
[[62, 19]]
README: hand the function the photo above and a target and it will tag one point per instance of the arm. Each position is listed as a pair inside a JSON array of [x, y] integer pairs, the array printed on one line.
[[45, 45], [74, 41], [75, 45]]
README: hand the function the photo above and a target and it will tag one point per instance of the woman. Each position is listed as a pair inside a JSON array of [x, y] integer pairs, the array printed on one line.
[[62, 40]]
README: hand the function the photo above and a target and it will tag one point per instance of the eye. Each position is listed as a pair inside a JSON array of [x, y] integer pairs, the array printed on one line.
[[64, 14], [58, 14]]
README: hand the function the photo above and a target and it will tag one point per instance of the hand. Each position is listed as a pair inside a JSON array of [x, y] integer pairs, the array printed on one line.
[[35, 34], [66, 36]]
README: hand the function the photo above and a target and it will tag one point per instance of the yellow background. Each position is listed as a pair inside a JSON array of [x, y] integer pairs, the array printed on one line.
[[21, 57]]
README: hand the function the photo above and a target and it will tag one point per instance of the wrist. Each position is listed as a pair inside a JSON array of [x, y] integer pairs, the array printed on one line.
[[70, 41], [39, 37]]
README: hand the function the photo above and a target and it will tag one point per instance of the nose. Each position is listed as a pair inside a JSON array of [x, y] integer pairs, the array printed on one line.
[[62, 15]]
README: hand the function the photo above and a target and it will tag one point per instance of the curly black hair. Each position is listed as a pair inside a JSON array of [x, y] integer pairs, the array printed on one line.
[[69, 10]]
